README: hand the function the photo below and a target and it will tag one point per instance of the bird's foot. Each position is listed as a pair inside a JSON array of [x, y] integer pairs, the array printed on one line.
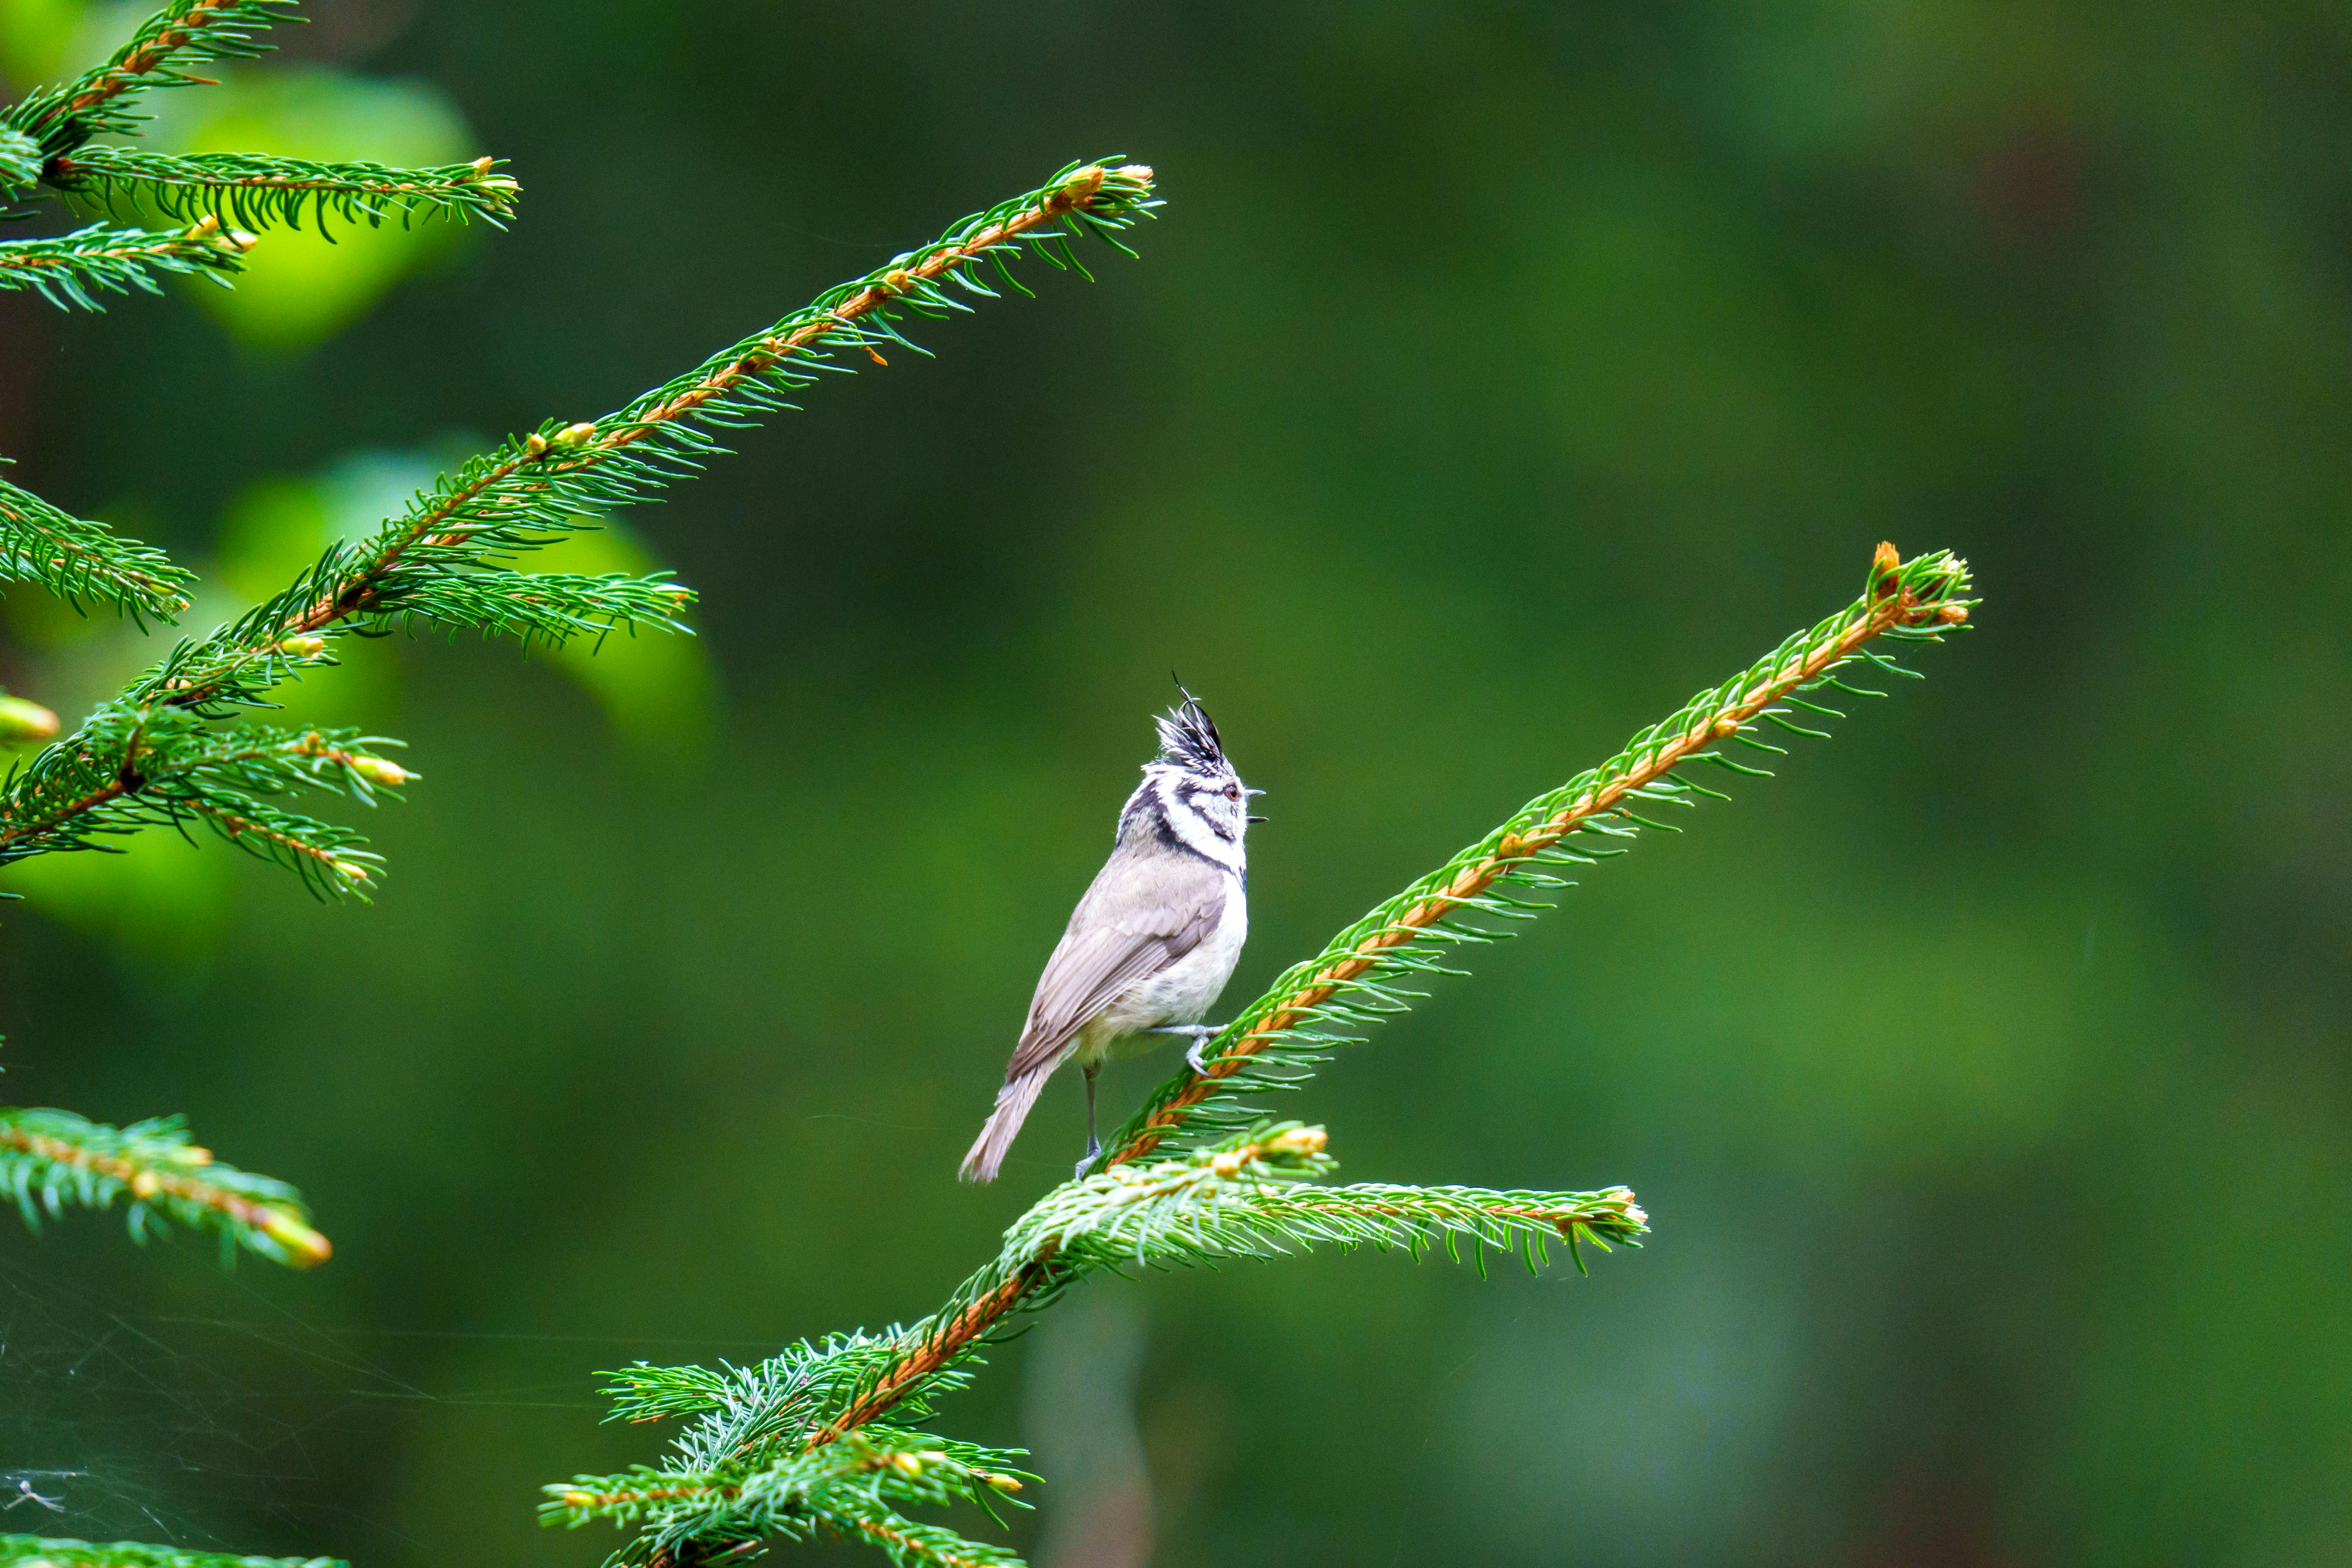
[[1199, 1034], [1094, 1152]]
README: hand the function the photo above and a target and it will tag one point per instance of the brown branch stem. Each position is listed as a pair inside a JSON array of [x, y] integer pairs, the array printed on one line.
[[1892, 610], [112, 81], [937, 1349]]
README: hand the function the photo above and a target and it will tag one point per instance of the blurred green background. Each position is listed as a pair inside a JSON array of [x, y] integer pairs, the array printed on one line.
[[1496, 375]]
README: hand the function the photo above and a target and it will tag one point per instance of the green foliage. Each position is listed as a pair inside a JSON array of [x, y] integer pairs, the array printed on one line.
[[20, 160], [100, 101], [257, 191], [80, 560], [1225, 1193], [539, 483], [165, 767], [852, 1489], [34, 1552], [152, 753], [773, 1450], [169, 751], [73, 268], [1364, 973], [53, 1160], [46, 139]]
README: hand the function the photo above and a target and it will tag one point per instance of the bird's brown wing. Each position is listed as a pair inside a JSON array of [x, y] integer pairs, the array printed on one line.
[[1143, 914]]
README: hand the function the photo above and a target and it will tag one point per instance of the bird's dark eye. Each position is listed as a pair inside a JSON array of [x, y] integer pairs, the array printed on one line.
[[1232, 792]]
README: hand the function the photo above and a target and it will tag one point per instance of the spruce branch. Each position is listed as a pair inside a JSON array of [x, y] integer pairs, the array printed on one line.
[[71, 270], [843, 1488], [168, 769], [1278, 1040], [78, 560], [1223, 1194], [34, 1552], [51, 1159], [20, 161], [183, 33], [140, 758], [253, 191], [767, 1442]]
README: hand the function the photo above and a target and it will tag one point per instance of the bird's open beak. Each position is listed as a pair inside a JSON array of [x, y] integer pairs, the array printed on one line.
[[1247, 793]]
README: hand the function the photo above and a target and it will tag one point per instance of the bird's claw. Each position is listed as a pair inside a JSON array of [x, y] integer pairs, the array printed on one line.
[[1199, 1034]]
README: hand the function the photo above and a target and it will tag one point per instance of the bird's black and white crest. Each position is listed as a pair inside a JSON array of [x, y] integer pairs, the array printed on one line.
[[1188, 739], [1190, 802]]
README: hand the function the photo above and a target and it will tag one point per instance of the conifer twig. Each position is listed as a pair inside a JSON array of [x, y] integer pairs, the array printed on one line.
[[183, 33], [76, 559], [446, 559], [35, 1552], [1915, 600], [1248, 1194], [762, 1459], [49, 1159], [842, 1487], [20, 160], [64, 269], [253, 190]]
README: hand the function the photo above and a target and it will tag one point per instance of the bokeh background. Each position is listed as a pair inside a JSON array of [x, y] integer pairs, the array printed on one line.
[[1495, 375]]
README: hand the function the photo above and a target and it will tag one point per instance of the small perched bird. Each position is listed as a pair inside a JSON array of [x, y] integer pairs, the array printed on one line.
[[1154, 939]]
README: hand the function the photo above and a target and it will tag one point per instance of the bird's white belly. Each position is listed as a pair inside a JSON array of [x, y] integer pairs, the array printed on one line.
[[1180, 993]]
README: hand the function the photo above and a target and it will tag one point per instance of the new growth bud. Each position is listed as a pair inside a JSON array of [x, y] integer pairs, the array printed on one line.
[[1302, 1140], [304, 1246], [534, 443], [1082, 185], [381, 771], [302, 647], [23, 722], [1883, 565], [574, 435]]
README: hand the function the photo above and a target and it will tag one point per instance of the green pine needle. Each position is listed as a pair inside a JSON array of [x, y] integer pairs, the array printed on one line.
[[153, 754], [253, 191], [34, 1552], [20, 161], [766, 1441], [185, 33], [73, 269], [842, 1490], [76, 559], [1369, 971], [1216, 1193], [53, 1160]]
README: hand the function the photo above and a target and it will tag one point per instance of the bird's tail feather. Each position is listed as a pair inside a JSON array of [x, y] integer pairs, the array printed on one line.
[[1013, 1103]]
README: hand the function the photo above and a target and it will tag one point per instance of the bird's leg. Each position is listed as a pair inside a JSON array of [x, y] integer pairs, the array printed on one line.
[[1199, 1034], [1094, 1144]]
